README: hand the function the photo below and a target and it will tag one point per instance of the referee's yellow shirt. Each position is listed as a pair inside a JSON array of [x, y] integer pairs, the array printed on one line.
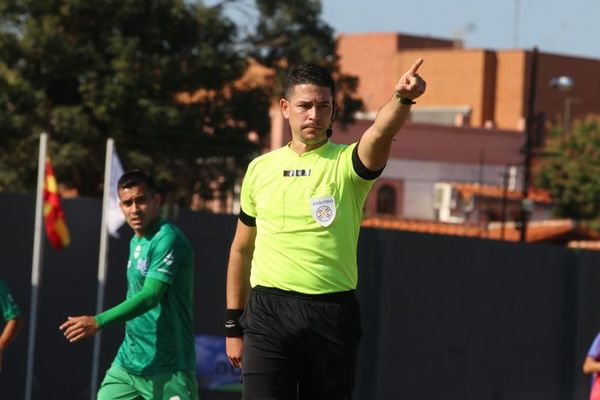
[[308, 210]]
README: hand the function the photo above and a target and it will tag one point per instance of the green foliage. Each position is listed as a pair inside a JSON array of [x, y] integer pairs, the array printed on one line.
[[287, 33], [155, 75], [84, 71], [570, 170]]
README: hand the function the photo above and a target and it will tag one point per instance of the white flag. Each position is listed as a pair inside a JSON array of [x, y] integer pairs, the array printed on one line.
[[114, 215]]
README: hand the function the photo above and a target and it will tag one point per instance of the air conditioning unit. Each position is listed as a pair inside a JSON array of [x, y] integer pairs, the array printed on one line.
[[444, 201]]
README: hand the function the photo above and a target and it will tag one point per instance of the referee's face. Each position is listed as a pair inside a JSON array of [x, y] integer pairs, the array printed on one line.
[[309, 110], [140, 206]]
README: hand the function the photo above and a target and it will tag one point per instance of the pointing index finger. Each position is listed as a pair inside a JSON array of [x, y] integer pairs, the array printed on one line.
[[413, 69]]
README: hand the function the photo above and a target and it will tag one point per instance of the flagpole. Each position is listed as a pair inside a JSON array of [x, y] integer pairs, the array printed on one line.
[[102, 263], [36, 264]]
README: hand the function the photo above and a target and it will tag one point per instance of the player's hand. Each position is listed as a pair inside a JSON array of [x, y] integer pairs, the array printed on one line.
[[77, 328], [234, 348], [411, 85]]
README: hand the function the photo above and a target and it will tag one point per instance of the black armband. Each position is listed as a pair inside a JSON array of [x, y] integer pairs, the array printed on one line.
[[246, 219], [232, 322], [360, 168]]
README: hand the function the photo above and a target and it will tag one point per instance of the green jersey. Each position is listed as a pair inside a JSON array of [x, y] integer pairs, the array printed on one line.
[[160, 340], [8, 307], [308, 210]]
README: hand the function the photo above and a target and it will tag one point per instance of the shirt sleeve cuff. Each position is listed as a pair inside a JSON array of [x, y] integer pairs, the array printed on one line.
[[247, 219]]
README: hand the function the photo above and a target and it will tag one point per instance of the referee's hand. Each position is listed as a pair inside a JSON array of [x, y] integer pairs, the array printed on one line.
[[78, 328], [234, 347]]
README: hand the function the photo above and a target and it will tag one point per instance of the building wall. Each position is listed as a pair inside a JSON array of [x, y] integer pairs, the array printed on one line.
[[369, 57], [585, 93], [419, 177], [454, 78], [370, 208], [494, 84], [430, 142], [510, 96], [512, 87]]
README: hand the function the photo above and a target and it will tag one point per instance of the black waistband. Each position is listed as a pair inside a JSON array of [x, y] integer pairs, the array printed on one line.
[[326, 297]]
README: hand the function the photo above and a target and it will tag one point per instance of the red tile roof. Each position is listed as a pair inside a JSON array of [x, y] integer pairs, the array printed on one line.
[[537, 231], [422, 226], [470, 189]]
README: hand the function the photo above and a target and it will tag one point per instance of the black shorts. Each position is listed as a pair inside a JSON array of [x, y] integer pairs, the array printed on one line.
[[299, 346]]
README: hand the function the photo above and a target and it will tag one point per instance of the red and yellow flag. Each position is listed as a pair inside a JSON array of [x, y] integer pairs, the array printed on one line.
[[56, 228]]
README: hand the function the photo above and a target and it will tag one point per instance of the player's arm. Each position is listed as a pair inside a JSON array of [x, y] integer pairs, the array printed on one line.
[[590, 365], [238, 286], [83, 326], [9, 333], [375, 144]]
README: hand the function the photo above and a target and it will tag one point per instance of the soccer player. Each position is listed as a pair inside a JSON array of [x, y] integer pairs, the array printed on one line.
[[11, 315], [157, 357], [292, 320], [591, 365]]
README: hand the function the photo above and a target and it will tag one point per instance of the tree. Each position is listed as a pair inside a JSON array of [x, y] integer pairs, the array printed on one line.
[[282, 34], [570, 170], [83, 71], [159, 76]]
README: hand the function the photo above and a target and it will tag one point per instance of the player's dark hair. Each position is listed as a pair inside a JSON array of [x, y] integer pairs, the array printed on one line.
[[313, 75], [136, 177]]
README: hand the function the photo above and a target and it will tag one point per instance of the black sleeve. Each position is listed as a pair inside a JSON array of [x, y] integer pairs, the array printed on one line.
[[246, 219], [360, 168]]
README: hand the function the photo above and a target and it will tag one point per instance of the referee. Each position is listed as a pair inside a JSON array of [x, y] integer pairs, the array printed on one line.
[[292, 320]]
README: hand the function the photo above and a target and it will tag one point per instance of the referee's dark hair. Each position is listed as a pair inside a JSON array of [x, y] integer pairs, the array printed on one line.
[[309, 74], [313, 75], [136, 177]]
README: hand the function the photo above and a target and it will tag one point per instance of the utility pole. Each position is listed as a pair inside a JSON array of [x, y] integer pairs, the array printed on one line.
[[529, 125], [516, 25]]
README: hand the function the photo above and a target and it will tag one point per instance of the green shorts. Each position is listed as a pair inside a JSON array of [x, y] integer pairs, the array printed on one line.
[[119, 384]]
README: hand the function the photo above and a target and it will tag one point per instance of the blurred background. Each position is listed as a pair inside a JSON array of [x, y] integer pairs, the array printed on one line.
[[503, 147]]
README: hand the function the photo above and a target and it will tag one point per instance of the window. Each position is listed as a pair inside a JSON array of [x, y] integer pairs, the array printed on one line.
[[386, 200]]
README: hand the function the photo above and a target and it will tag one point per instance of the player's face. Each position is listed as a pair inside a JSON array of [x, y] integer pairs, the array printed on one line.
[[309, 110], [140, 206]]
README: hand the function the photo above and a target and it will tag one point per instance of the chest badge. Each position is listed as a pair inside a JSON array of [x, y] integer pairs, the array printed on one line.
[[323, 210], [136, 251]]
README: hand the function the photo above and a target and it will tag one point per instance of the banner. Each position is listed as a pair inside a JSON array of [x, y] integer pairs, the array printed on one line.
[[114, 215], [54, 217], [213, 369]]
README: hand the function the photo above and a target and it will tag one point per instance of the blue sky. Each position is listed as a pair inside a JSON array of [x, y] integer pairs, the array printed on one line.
[[555, 26]]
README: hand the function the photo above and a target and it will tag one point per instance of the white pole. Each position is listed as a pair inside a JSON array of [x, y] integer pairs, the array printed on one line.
[[36, 264], [102, 263]]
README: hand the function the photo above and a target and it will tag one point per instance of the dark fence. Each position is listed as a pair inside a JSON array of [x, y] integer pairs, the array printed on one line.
[[443, 317]]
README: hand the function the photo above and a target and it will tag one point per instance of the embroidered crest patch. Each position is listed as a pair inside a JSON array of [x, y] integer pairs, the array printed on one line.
[[323, 210]]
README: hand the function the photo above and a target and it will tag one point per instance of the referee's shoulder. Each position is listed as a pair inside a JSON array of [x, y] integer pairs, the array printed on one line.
[[268, 157]]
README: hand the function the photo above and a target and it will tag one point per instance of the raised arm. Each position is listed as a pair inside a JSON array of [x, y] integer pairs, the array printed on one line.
[[238, 283], [375, 144]]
